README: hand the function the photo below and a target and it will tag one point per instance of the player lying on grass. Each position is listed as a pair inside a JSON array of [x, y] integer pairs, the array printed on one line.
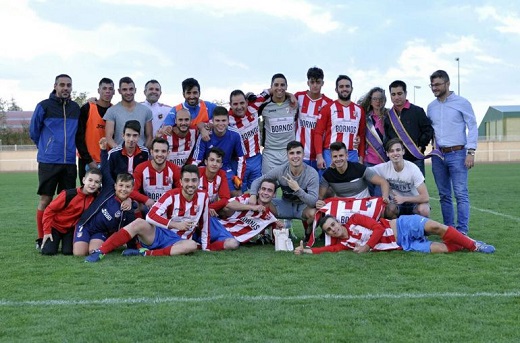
[[63, 213], [408, 232]]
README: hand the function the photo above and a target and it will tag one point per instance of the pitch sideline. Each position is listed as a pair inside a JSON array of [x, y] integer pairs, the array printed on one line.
[[490, 212], [158, 300]]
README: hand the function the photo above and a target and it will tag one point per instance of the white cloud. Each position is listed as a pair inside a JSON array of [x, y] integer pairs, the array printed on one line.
[[508, 22], [315, 17]]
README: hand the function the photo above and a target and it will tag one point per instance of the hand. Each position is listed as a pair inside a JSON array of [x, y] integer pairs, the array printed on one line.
[[126, 205], [356, 142], [280, 224], [213, 213], [361, 248], [149, 203], [166, 130], [92, 100], [182, 226], [399, 199], [93, 165], [320, 204], [103, 143], [320, 162], [470, 161], [45, 238], [237, 182], [204, 133], [299, 249], [258, 208], [293, 100], [291, 183]]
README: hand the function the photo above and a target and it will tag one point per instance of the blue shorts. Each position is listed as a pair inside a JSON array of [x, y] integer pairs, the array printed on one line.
[[288, 210], [83, 234], [163, 238], [217, 232], [410, 233]]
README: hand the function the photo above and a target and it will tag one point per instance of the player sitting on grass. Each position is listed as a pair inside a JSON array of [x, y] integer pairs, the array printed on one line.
[[408, 232], [63, 213]]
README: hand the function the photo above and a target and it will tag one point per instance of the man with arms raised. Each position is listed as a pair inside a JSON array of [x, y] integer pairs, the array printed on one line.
[[201, 112], [348, 179], [299, 183], [125, 110], [340, 121], [408, 194]]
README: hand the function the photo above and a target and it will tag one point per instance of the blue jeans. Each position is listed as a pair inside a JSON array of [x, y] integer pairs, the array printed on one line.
[[374, 190], [453, 174], [420, 164]]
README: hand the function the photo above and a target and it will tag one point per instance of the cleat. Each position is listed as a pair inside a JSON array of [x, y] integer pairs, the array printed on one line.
[[39, 244], [134, 252], [484, 248], [95, 256]]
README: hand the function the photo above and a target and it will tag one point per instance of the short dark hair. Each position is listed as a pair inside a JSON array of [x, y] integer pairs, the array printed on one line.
[[133, 125], [315, 73], [278, 76], [397, 83], [217, 151], [124, 177], [190, 168], [61, 75], [343, 77], [269, 180], [106, 80], [220, 111], [441, 74], [391, 142], [151, 81], [189, 83], [94, 171], [160, 140], [337, 146], [294, 144], [235, 93], [323, 219], [126, 79]]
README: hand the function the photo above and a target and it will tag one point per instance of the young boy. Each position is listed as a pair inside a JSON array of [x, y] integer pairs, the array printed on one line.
[[111, 210], [62, 214]]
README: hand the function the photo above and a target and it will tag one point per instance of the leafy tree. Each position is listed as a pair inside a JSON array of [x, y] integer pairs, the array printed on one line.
[[80, 98], [13, 106]]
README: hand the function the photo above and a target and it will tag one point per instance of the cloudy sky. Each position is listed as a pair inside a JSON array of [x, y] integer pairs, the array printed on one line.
[[230, 44]]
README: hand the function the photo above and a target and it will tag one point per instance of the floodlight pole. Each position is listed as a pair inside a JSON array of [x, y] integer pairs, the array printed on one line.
[[458, 75]]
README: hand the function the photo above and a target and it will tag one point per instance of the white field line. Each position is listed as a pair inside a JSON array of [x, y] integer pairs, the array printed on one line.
[[490, 212], [258, 298]]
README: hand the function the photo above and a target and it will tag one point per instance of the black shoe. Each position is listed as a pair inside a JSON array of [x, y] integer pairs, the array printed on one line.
[[39, 244]]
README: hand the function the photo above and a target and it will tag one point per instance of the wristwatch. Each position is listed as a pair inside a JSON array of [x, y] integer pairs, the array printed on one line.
[[471, 152]]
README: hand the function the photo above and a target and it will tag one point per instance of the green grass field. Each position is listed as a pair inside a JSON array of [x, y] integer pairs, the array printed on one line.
[[258, 295]]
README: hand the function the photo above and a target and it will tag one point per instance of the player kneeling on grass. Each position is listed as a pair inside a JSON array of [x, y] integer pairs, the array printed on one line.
[[108, 213], [62, 214], [408, 232]]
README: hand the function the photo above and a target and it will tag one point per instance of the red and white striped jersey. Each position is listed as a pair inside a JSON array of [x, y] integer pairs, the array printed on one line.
[[338, 123], [217, 189], [173, 206], [247, 127], [149, 183], [244, 225], [181, 147], [307, 119]]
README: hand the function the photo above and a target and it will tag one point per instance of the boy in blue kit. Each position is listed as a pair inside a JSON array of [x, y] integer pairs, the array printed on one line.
[[111, 210], [230, 141]]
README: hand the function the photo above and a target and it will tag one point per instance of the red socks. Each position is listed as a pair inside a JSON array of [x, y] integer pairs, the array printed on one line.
[[39, 223], [216, 246], [454, 237], [159, 252], [116, 240]]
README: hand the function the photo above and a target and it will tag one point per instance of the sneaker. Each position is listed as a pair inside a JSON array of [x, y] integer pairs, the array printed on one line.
[[95, 256], [134, 252], [292, 235], [484, 248], [39, 244]]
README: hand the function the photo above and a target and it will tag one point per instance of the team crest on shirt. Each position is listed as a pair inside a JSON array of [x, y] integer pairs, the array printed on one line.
[[196, 208], [117, 214]]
